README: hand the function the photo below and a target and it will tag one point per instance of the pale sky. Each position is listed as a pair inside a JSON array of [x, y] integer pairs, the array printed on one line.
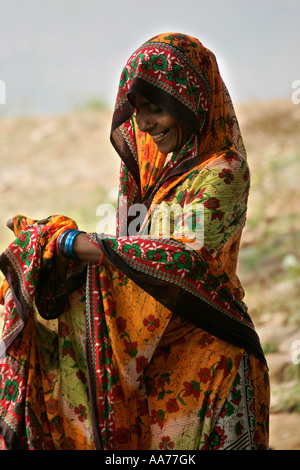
[[56, 54]]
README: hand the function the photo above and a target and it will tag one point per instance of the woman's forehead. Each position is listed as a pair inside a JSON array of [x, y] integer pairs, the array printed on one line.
[[141, 100]]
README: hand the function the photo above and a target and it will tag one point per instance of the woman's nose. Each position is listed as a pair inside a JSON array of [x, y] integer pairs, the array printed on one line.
[[143, 122]]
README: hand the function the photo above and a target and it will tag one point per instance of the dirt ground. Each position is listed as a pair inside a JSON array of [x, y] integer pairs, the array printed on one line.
[[66, 165]]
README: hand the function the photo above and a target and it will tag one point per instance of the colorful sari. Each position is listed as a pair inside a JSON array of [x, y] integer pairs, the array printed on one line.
[[155, 348]]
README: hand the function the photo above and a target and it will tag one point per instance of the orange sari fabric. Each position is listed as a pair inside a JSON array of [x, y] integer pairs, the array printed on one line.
[[155, 349]]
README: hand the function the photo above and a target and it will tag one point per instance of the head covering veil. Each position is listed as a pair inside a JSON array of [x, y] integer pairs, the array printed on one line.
[[177, 73]]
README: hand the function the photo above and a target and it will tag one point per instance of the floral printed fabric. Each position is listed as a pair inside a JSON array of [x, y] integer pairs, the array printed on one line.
[[43, 372], [160, 382], [210, 170], [199, 286], [167, 384], [156, 349]]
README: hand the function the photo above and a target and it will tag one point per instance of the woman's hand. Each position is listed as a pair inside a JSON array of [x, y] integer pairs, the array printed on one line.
[[19, 222], [82, 247]]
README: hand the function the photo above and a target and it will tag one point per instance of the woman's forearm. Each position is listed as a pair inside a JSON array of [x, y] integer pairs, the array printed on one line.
[[85, 250], [82, 246]]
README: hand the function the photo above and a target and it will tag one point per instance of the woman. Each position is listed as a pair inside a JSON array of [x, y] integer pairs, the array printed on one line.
[[142, 341]]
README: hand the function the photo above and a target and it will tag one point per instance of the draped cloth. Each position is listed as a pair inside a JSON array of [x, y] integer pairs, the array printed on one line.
[[155, 349]]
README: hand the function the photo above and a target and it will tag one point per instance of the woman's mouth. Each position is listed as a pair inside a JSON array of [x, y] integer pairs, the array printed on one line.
[[158, 137]]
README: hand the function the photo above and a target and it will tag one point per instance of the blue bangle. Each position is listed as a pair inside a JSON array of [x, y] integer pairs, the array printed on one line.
[[71, 235], [61, 240]]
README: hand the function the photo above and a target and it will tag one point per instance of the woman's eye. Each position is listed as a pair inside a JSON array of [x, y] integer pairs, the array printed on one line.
[[154, 109], [149, 108]]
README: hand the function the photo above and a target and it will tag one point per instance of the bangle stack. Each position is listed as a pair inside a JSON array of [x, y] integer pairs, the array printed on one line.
[[65, 241]]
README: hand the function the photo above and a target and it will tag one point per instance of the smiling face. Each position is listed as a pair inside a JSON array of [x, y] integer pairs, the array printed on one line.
[[167, 133]]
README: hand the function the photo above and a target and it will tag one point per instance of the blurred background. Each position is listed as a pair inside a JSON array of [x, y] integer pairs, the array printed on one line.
[[60, 63]]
